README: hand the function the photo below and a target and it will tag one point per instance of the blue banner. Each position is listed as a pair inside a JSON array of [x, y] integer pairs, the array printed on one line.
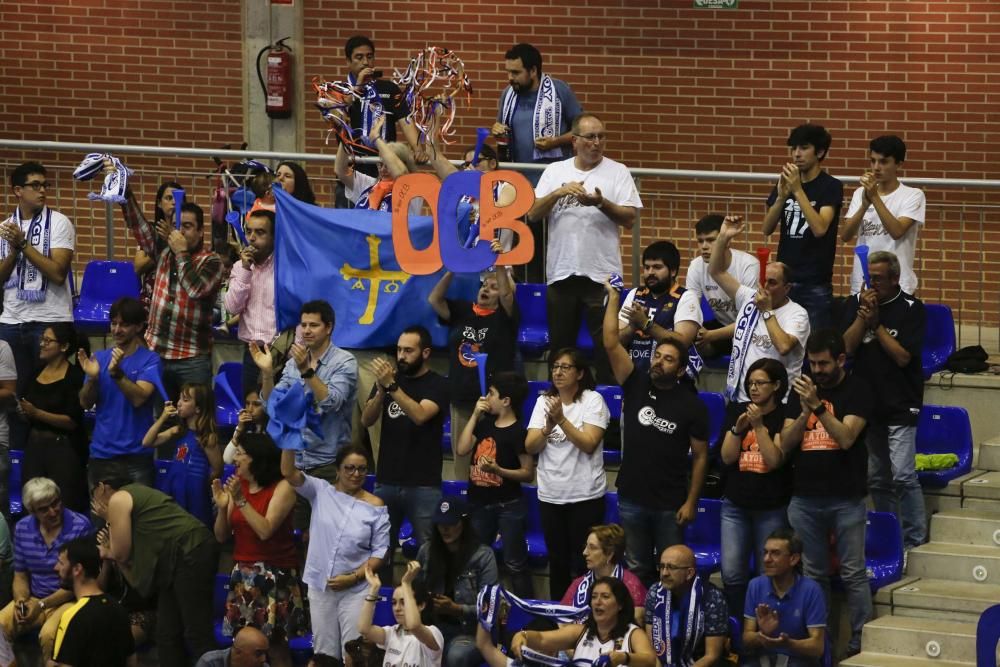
[[345, 256]]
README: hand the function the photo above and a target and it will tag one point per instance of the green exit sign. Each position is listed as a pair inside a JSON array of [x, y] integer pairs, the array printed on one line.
[[716, 4]]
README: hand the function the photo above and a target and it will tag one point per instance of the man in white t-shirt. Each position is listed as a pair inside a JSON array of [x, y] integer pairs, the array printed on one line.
[[36, 251], [586, 199], [715, 337], [885, 214], [768, 323]]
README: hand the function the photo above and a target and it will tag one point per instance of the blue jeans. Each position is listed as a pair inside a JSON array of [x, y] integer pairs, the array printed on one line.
[[178, 372], [509, 519], [416, 503], [744, 532], [647, 533], [892, 478], [813, 518], [818, 302], [459, 649], [23, 340]]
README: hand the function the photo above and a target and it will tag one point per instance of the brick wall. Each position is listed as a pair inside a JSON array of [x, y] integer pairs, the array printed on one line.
[[710, 89]]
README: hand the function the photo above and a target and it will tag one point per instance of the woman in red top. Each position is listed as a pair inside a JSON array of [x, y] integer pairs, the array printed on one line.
[[255, 509]]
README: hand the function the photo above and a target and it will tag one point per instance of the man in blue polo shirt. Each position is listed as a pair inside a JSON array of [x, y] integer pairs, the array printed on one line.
[[39, 601], [784, 617], [121, 382]]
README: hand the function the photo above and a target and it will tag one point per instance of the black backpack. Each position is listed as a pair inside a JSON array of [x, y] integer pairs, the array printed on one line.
[[971, 359]]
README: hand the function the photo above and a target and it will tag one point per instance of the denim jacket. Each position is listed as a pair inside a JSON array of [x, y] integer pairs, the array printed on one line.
[[479, 571]]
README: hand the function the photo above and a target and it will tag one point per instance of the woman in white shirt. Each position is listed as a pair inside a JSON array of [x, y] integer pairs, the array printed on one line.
[[408, 643], [566, 432]]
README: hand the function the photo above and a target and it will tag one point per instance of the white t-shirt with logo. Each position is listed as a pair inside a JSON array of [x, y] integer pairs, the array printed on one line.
[[565, 473], [903, 202], [58, 304], [583, 241], [793, 320], [745, 268], [403, 649]]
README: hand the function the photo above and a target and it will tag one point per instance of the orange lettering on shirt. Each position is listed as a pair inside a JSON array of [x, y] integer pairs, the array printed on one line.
[[816, 437]]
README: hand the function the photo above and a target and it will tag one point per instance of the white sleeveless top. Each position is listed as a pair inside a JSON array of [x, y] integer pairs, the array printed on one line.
[[590, 648]]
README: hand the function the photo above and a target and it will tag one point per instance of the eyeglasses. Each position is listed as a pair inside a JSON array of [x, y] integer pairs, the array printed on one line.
[[759, 383], [563, 367], [595, 136], [54, 505], [37, 185], [673, 568], [47, 341], [355, 470]]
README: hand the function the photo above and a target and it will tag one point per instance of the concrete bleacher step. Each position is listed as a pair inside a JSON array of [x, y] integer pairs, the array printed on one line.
[[985, 486], [865, 659], [955, 562], [945, 598], [989, 454], [915, 638], [967, 526], [981, 504]]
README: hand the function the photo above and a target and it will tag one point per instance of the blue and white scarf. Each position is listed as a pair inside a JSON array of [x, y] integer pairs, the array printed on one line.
[[678, 652], [30, 282], [746, 323], [546, 119], [492, 599], [115, 183], [371, 108], [582, 596]]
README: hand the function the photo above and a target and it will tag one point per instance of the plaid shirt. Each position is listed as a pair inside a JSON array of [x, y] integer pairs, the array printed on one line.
[[184, 293]]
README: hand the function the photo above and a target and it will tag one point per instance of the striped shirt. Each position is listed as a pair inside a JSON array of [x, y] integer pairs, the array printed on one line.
[[184, 294], [37, 559], [251, 296]]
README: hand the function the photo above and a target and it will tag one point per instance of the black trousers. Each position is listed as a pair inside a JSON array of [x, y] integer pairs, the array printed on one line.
[[570, 301], [184, 607], [50, 455], [566, 528]]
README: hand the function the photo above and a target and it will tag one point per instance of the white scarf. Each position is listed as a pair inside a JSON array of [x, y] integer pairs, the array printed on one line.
[[742, 337], [30, 282], [115, 183], [546, 119]]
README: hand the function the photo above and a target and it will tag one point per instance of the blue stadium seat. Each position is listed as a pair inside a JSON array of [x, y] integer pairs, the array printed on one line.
[[407, 542], [15, 482], [369, 484], [987, 636], [939, 339], [611, 508], [538, 553], [704, 536], [219, 595], [228, 392], [944, 430], [446, 434], [103, 283], [716, 405], [883, 549], [535, 389], [533, 330], [455, 487], [162, 472], [584, 341], [612, 395]]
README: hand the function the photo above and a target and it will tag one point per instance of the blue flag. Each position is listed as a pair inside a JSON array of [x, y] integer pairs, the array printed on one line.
[[345, 256]]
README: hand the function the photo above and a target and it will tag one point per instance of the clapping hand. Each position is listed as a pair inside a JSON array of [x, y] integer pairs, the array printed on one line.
[[793, 178], [385, 373], [88, 365], [806, 389], [220, 495], [262, 357], [754, 416]]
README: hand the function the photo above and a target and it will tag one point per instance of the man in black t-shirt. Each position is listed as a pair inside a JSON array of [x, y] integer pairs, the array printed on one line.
[[96, 629], [661, 421], [411, 405], [807, 201], [825, 423], [884, 330], [378, 96]]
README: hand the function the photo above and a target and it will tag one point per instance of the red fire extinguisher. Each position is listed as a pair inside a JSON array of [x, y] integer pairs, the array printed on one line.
[[278, 88]]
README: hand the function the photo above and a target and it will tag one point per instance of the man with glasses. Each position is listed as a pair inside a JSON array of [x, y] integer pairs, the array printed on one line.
[[251, 291], [36, 252], [249, 649], [587, 199], [884, 330], [674, 606], [768, 323]]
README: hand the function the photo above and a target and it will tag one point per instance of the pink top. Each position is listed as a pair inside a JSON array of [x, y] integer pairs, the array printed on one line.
[[632, 583], [251, 295]]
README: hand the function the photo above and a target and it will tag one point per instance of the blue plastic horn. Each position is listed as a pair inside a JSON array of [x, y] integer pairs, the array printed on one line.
[[481, 134], [178, 203], [862, 252], [480, 358]]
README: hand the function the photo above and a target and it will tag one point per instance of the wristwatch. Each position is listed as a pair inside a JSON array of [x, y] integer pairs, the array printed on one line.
[[309, 372], [820, 409], [117, 374], [767, 314], [392, 387]]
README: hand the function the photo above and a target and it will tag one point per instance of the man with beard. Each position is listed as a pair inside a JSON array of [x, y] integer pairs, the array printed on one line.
[[121, 381], [251, 291], [410, 400], [587, 200], [650, 313], [663, 421], [96, 629], [329, 375], [829, 481]]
